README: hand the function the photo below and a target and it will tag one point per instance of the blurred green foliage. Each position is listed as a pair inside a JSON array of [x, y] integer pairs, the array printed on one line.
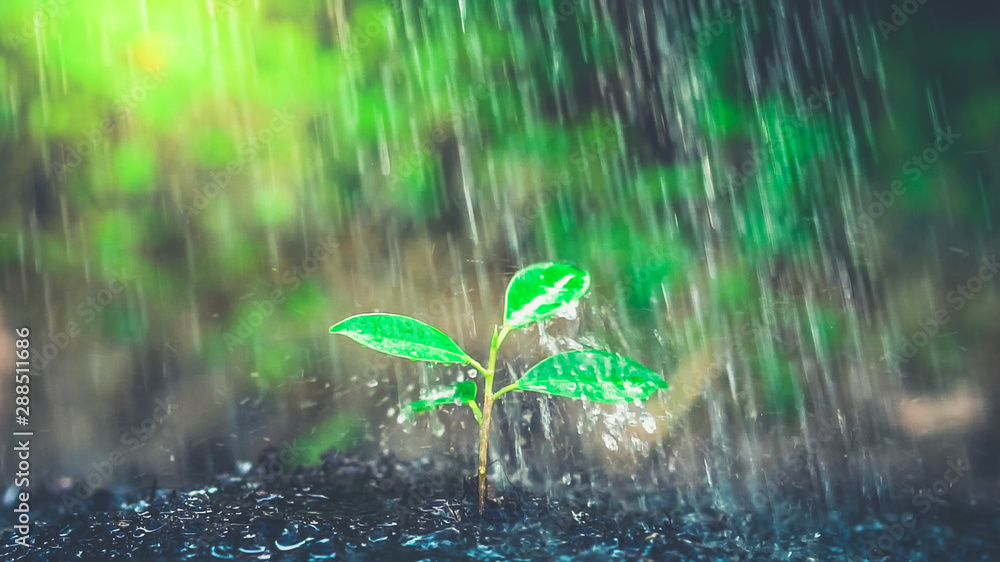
[[392, 106]]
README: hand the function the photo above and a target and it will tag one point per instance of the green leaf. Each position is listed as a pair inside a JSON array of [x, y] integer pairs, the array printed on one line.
[[599, 376], [403, 336], [541, 291], [459, 393]]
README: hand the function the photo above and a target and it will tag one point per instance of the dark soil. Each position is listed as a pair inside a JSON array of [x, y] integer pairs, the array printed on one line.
[[384, 509]]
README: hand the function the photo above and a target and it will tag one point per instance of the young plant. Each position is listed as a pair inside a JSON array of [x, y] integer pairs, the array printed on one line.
[[536, 293]]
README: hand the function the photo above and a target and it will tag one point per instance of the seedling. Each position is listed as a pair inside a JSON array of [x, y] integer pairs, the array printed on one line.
[[536, 293]]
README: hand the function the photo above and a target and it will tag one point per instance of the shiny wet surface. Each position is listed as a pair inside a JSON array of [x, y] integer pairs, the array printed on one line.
[[349, 509]]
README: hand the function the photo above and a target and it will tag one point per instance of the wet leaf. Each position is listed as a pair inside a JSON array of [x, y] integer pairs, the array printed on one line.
[[598, 376], [403, 336], [459, 393], [541, 291]]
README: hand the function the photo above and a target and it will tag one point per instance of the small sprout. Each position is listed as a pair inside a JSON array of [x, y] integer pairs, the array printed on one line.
[[535, 294]]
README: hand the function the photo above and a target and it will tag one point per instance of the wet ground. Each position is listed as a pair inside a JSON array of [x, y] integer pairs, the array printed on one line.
[[384, 509]]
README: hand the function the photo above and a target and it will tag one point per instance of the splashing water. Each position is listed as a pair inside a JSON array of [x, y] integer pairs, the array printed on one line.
[[786, 211]]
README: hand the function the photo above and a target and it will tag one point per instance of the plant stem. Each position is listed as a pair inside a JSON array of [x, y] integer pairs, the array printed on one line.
[[476, 364], [494, 347], [488, 398], [476, 411], [484, 431], [504, 390]]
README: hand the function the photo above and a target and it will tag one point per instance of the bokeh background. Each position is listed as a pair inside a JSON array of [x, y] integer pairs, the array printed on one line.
[[193, 192]]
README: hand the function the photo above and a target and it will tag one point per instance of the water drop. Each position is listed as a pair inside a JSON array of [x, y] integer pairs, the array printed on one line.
[[648, 423], [292, 537], [322, 549], [224, 552]]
